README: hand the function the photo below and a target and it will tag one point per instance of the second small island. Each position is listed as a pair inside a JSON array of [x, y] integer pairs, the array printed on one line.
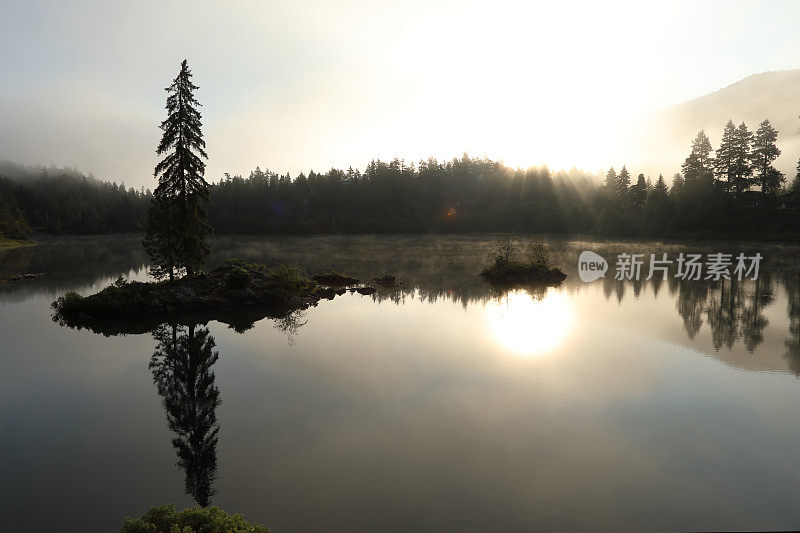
[[514, 266]]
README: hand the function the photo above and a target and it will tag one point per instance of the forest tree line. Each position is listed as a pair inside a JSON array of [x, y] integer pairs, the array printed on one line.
[[64, 201], [732, 189]]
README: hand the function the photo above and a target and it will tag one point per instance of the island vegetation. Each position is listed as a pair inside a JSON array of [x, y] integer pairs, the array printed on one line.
[[512, 265], [235, 293], [165, 519]]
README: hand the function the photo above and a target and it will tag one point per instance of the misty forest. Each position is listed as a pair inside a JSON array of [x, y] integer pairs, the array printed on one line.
[[733, 189]]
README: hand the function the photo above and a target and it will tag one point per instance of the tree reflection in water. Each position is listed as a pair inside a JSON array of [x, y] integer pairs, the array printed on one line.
[[182, 371], [792, 284], [733, 309], [691, 298]]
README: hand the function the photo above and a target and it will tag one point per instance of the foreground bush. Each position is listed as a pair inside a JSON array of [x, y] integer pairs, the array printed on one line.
[[164, 519]]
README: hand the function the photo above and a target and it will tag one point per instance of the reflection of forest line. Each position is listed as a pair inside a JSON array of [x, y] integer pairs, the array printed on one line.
[[792, 354], [74, 262], [447, 267], [733, 309]]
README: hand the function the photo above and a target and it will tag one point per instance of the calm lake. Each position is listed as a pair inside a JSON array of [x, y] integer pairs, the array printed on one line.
[[439, 406]]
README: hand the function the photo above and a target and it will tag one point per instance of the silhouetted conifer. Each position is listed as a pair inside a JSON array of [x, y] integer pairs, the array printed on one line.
[[742, 168], [765, 151], [182, 190], [623, 183], [724, 161], [698, 167]]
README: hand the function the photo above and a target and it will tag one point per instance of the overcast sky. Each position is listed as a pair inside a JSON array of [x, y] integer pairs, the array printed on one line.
[[294, 86]]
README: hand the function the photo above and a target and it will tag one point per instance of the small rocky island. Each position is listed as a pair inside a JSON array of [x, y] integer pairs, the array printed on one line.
[[236, 293], [21, 277], [511, 267], [521, 274]]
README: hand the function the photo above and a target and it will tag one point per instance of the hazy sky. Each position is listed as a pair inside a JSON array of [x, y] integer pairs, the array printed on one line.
[[294, 86]]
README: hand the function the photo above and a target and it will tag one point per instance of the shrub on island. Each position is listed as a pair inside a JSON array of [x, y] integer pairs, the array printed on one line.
[[165, 519], [511, 266]]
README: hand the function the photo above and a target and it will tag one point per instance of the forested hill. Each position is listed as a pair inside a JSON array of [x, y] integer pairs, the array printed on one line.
[[663, 139], [66, 201]]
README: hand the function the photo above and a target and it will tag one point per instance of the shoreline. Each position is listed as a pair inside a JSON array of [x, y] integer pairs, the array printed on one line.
[[754, 236], [8, 244]]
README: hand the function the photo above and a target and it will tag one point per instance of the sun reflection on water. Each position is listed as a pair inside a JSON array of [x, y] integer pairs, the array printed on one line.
[[530, 325]]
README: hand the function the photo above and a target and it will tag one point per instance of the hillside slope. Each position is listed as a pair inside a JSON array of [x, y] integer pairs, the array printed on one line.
[[666, 136]]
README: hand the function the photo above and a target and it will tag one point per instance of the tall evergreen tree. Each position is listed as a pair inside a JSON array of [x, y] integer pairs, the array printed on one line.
[[765, 151], [677, 185], [742, 169], [795, 186], [162, 242], [611, 180], [656, 207], [638, 192], [660, 190], [724, 161], [179, 231], [623, 184], [698, 167]]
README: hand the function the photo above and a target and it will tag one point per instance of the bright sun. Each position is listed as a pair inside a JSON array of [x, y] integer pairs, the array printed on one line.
[[527, 326]]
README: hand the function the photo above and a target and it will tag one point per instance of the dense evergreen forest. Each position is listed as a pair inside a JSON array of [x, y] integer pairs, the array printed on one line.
[[65, 201], [734, 191]]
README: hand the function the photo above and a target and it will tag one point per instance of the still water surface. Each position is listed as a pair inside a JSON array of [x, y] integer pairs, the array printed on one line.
[[666, 405]]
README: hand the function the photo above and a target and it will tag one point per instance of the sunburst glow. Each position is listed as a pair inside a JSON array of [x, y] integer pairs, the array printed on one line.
[[525, 325]]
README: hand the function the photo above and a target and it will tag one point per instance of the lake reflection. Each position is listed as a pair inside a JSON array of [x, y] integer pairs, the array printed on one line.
[[441, 405], [182, 371]]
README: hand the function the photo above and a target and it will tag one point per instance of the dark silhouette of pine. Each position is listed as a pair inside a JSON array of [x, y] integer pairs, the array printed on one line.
[[178, 227], [611, 181], [724, 162], [163, 240], [795, 186], [742, 169], [765, 151], [698, 167], [623, 184], [660, 190], [638, 192]]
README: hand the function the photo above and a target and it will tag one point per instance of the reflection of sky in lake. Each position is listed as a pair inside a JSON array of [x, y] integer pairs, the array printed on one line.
[[424, 409]]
